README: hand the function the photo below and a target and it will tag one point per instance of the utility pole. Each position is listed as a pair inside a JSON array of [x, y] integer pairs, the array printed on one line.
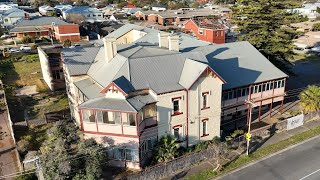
[[248, 135], [38, 165]]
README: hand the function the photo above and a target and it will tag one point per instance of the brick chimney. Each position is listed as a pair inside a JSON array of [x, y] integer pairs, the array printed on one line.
[[110, 48], [26, 16], [173, 42]]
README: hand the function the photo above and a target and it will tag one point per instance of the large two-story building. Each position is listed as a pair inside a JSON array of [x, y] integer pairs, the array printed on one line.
[[141, 84]]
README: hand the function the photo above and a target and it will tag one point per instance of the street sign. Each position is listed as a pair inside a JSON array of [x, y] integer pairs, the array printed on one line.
[[295, 121], [248, 136]]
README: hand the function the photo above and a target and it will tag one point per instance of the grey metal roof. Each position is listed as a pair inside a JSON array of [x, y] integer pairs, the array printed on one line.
[[40, 21], [108, 104], [82, 9], [89, 88], [28, 29], [239, 64], [138, 102], [78, 60]]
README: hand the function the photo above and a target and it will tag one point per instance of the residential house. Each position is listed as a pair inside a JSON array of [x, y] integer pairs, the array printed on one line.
[[5, 7], [10, 17], [309, 10], [46, 10], [52, 68], [175, 17], [119, 17], [87, 12], [158, 8], [142, 84], [210, 30], [46, 26]]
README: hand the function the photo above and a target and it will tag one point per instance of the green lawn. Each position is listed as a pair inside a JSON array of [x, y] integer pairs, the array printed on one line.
[[260, 153]]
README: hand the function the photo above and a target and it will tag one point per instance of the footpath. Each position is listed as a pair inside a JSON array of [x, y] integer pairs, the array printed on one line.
[[272, 140]]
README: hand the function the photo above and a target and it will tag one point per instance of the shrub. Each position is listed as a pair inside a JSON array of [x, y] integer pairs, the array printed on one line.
[[67, 43], [316, 27], [23, 146], [26, 40], [34, 47]]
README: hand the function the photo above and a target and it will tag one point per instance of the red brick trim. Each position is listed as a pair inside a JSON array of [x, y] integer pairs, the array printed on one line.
[[203, 120], [176, 126], [176, 98], [204, 93]]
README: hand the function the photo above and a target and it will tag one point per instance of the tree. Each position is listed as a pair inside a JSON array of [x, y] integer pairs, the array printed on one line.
[[261, 22], [65, 156], [76, 18], [67, 43], [316, 27], [310, 99], [167, 149], [26, 40], [318, 10], [195, 5]]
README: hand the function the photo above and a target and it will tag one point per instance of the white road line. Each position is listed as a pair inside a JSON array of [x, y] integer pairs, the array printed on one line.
[[310, 174]]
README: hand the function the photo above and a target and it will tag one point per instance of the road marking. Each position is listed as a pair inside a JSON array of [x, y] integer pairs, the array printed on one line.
[[310, 174]]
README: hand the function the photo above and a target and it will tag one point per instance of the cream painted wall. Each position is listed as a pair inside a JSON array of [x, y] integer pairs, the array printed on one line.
[[130, 37], [165, 110], [213, 85], [45, 68], [114, 94]]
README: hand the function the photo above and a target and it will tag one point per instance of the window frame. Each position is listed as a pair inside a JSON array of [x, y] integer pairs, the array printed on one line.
[[179, 111], [205, 100], [205, 128]]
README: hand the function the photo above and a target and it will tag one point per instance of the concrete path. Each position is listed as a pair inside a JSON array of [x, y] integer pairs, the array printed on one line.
[[298, 163]]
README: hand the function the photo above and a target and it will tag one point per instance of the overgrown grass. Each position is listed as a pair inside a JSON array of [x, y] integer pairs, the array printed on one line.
[[60, 104], [260, 153], [305, 57]]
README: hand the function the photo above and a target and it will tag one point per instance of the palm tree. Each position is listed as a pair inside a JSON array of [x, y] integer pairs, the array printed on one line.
[[310, 99], [167, 149]]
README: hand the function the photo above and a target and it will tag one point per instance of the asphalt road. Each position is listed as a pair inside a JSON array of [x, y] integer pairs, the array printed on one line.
[[299, 163]]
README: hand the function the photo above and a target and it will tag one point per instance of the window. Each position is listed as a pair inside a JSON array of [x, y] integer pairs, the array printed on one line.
[[221, 33], [282, 83], [271, 85], [131, 119], [5, 20], [217, 34], [230, 94], [267, 86], [264, 87], [176, 106], [260, 88], [243, 92], [88, 116], [205, 128], [149, 111], [176, 133], [56, 74], [105, 117], [205, 101]]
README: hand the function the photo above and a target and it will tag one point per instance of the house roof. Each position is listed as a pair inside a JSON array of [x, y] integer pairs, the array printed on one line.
[[28, 29], [79, 60], [104, 103], [138, 102], [144, 65], [89, 88], [40, 21], [82, 10]]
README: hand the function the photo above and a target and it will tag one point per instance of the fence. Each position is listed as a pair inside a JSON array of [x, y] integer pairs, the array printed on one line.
[[179, 164]]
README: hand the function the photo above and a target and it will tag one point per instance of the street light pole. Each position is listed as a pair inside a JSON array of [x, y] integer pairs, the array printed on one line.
[[248, 135]]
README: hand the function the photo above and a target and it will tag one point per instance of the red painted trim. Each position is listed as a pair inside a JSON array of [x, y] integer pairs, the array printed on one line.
[[176, 113], [211, 70], [137, 124], [204, 120], [204, 93], [109, 110], [111, 134], [176, 126], [205, 135], [248, 106], [272, 98], [113, 85], [175, 98], [187, 117], [95, 117]]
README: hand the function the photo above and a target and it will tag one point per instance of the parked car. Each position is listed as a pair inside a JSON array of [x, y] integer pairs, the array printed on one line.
[[13, 50], [76, 45], [25, 48], [4, 36]]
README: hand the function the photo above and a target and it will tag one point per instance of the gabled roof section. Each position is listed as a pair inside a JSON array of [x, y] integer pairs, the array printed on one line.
[[190, 72], [78, 60], [104, 103], [123, 84], [239, 64], [138, 102]]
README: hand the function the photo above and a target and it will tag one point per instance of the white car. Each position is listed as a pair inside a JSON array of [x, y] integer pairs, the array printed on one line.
[[25, 48], [13, 50], [5, 36]]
